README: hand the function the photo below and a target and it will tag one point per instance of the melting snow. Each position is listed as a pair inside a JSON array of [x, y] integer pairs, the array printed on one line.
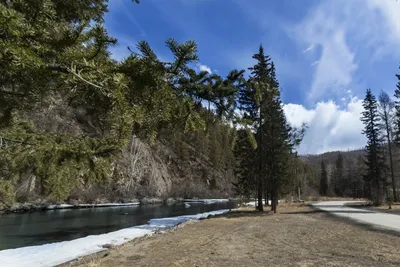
[[254, 203], [57, 253], [206, 201], [67, 206]]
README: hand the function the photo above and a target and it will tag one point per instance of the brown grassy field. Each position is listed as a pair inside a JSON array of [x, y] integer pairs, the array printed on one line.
[[298, 236]]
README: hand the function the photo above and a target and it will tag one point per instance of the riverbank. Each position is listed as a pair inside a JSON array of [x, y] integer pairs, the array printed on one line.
[[32, 207], [298, 236], [54, 253]]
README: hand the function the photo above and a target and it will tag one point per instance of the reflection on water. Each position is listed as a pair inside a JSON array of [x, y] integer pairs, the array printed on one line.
[[28, 229]]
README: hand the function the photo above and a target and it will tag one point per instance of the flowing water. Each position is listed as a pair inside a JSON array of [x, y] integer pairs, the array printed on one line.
[[36, 228]]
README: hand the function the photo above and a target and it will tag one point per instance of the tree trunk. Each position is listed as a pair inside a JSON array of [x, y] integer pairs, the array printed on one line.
[[260, 206], [298, 189], [292, 197], [274, 201], [392, 173], [265, 197], [260, 159]]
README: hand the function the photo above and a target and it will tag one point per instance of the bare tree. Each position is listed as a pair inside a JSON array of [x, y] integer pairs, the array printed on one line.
[[386, 106]]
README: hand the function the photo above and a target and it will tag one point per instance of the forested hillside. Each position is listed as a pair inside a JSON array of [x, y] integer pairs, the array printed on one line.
[[78, 126]]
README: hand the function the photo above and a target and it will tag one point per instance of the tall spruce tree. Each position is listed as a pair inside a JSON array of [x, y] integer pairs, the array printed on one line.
[[386, 106], [374, 157], [277, 146], [397, 112], [397, 115], [252, 102], [262, 107]]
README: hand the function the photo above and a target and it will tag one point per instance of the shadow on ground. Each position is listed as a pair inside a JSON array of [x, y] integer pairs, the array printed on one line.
[[242, 213], [309, 210], [366, 226]]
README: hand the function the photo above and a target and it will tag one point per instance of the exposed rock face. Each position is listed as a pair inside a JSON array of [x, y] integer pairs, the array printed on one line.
[[142, 173], [152, 174]]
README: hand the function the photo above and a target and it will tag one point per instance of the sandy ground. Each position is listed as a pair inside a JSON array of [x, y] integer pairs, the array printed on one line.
[[298, 236]]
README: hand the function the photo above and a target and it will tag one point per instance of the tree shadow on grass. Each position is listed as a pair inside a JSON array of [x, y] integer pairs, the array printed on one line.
[[242, 213], [363, 225]]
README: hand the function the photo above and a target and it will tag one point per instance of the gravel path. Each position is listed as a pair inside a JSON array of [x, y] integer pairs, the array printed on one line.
[[377, 219]]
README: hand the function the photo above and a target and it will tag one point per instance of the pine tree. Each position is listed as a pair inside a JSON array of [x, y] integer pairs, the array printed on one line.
[[374, 157], [397, 112], [397, 116], [386, 106], [245, 168], [58, 50], [279, 142], [251, 99], [262, 107], [323, 188]]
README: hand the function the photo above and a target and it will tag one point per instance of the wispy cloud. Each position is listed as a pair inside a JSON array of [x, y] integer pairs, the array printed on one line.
[[124, 7], [390, 12], [336, 63], [334, 28], [308, 48], [204, 68]]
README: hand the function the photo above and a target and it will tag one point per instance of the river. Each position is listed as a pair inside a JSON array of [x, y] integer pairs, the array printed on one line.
[[36, 228]]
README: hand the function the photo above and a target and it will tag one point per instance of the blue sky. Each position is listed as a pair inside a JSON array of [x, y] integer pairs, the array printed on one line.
[[326, 52]]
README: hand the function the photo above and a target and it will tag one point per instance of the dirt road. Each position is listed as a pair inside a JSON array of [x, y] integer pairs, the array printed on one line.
[[301, 237]]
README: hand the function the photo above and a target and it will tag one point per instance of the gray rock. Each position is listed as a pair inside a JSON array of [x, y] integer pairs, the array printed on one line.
[[170, 201], [146, 200]]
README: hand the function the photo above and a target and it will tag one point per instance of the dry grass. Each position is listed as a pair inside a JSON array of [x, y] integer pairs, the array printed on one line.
[[296, 237]]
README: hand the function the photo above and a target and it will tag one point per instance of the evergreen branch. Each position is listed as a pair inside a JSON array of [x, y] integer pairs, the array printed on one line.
[[83, 79]]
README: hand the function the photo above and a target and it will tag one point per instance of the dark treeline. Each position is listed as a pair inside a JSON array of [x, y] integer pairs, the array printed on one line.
[[373, 172], [381, 118], [340, 174]]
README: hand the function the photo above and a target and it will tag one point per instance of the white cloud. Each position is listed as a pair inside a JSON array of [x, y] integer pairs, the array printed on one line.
[[344, 34], [330, 127], [390, 11], [204, 68], [309, 48], [323, 29]]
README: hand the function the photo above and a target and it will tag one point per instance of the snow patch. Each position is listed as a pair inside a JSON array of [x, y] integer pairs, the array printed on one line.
[[57, 253], [61, 206], [166, 223], [67, 206], [206, 201], [254, 203]]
